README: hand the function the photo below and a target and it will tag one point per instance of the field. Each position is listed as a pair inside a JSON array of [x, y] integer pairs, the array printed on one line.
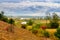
[[42, 23], [20, 33]]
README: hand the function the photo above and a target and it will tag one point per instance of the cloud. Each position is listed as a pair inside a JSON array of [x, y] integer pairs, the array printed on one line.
[[58, 13], [26, 8], [27, 4], [30, 1]]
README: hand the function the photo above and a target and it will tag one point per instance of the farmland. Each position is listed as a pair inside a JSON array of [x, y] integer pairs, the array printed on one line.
[[42, 23], [29, 29]]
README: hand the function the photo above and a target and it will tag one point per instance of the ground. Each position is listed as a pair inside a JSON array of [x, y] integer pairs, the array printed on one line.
[[18, 34]]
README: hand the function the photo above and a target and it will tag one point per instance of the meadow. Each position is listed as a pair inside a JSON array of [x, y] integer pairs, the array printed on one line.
[[29, 29], [41, 23]]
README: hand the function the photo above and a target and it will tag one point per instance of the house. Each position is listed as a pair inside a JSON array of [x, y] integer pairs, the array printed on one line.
[[23, 23]]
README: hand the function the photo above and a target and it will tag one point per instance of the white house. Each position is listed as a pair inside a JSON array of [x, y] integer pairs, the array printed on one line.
[[23, 23]]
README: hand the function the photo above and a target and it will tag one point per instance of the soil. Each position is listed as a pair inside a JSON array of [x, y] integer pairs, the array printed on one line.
[[16, 33]]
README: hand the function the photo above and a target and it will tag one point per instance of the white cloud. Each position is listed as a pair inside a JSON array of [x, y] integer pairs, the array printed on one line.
[[27, 4], [58, 13]]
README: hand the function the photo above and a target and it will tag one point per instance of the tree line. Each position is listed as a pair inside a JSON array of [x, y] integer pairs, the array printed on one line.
[[5, 19]]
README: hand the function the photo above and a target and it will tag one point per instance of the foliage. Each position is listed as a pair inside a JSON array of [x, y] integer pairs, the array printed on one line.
[[1, 15], [5, 19], [24, 26], [40, 32], [54, 22], [29, 28], [54, 25], [30, 22], [11, 21], [43, 33], [57, 34], [46, 34], [35, 28], [43, 27]]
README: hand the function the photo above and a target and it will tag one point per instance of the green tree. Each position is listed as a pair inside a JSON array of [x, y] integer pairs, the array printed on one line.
[[54, 21], [1, 15], [57, 34], [30, 22], [11, 21], [5, 19]]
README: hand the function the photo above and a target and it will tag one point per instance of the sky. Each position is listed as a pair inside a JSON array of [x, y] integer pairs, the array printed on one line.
[[30, 7]]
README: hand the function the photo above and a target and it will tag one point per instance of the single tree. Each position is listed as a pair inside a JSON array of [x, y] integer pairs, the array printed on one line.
[[11, 21], [30, 22], [1, 15], [54, 21]]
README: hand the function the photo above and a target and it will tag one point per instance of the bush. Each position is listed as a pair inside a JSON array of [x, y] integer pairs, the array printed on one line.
[[54, 25], [1, 15], [43, 27], [43, 33], [46, 34], [11, 21], [30, 22], [23, 26], [35, 31], [57, 34], [35, 28], [54, 22], [5, 19]]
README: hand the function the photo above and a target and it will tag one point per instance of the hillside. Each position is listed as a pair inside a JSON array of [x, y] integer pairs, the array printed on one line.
[[18, 34]]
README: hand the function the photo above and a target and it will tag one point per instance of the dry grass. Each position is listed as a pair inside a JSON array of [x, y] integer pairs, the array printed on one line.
[[51, 31], [18, 34]]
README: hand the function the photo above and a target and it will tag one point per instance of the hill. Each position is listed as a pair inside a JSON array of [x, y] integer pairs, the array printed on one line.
[[18, 34]]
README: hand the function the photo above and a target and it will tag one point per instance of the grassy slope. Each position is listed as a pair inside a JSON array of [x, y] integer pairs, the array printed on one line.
[[19, 34]]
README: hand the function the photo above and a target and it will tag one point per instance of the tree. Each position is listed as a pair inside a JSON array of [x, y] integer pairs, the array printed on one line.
[[1, 15], [11, 21], [5, 19], [57, 34], [11, 28], [54, 22], [30, 22]]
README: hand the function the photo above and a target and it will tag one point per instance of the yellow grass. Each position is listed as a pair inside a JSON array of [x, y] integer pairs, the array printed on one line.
[[51, 31]]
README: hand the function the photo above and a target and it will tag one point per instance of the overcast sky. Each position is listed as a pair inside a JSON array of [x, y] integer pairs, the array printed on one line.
[[29, 7]]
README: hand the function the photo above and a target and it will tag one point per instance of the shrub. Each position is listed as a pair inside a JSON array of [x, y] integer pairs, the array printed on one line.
[[23, 26], [46, 34], [43, 33], [35, 31], [1, 15], [54, 25], [5, 19], [30, 22], [54, 22], [35, 28], [57, 34], [43, 27], [11, 21]]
